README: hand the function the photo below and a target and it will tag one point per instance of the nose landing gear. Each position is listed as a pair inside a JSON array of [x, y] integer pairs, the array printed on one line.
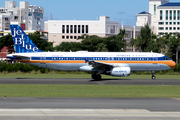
[[153, 76]]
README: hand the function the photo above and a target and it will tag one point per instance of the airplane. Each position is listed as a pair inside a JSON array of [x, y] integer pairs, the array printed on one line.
[[118, 64]]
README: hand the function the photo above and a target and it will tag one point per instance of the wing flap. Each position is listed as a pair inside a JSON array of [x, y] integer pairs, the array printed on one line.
[[97, 64]]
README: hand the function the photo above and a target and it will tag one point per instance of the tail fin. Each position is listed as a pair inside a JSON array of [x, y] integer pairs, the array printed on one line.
[[22, 43]]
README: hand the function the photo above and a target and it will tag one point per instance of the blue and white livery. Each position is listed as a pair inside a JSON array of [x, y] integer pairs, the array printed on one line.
[[109, 63]]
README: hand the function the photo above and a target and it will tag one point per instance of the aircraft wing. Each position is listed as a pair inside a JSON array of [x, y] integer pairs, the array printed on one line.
[[97, 64]]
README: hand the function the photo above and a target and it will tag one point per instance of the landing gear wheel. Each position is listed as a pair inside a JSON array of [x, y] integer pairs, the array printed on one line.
[[153, 77], [93, 76], [96, 77]]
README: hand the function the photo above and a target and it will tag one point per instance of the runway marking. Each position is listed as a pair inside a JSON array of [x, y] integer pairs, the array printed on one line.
[[100, 83], [86, 113], [176, 98]]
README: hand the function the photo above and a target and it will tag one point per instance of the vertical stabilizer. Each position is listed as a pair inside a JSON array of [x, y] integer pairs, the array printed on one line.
[[22, 43]]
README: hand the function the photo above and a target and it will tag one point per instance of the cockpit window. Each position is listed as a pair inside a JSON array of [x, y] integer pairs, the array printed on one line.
[[166, 58]]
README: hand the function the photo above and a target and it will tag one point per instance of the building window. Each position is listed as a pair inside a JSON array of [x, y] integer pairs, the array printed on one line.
[[71, 37], [174, 28], [178, 14], [160, 33], [170, 23], [170, 17], [170, 28], [63, 37], [79, 29], [71, 28], [161, 14], [174, 14], [67, 37], [154, 9], [87, 29], [178, 28], [174, 23], [161, 23], [82, 28], [75, 28], [166, 23], [166, 14], [63, 29], [67, 28], [75, 37], [30, 14], [112, 29], [161, 28], [166, 28], [178, 23]]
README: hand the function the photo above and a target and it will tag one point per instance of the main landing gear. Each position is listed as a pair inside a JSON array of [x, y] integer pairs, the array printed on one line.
[[153, 76], [96, 76]]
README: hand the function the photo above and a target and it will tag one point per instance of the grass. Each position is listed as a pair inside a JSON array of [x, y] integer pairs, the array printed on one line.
[[20, 75], [117, 91]]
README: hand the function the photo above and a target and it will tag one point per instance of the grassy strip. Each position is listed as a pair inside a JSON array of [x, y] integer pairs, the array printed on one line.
[[121, 91], [15, 75]]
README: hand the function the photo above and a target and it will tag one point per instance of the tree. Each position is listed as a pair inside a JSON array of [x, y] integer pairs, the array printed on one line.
[[145, 42], [174, 44], [8, 42], [41, 43], [68, 46]]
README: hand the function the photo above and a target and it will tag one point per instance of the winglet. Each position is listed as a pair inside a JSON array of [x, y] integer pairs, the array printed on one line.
[[22, 43]]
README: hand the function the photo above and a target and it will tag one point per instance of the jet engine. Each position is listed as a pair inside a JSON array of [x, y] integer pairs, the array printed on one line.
[[120, 71]]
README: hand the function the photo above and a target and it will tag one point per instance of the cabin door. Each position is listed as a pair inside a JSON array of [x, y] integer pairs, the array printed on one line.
[[43, 58]]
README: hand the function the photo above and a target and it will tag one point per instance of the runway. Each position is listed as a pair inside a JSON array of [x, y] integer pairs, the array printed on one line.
[[89, 108], [90, 81], [150, 104]]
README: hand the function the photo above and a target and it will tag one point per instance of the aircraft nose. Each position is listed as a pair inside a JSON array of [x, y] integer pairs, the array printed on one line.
[[172, 64]]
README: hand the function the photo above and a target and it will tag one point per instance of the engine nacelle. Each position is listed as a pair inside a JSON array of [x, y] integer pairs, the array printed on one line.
[[120, 71], [87, 69]]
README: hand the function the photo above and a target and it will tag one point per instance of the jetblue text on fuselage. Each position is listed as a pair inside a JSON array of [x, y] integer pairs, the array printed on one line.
[[21, 39]]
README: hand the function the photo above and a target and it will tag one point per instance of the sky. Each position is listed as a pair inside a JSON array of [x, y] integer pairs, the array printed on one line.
[[124, 11]]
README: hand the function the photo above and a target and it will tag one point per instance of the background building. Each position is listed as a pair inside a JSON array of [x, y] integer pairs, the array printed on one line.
[[143, 18], [163, 17], [69, 30], [27, 16], [132, 33], [35, 18]]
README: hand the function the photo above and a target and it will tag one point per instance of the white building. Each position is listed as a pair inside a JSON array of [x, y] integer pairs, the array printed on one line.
[[23, 15], [35, 18], [168, 18], [69, 30], [4, 22], [163, 17], [143, 18]]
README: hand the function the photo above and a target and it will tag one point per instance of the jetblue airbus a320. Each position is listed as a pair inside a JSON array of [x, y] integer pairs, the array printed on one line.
[[109, 63]]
